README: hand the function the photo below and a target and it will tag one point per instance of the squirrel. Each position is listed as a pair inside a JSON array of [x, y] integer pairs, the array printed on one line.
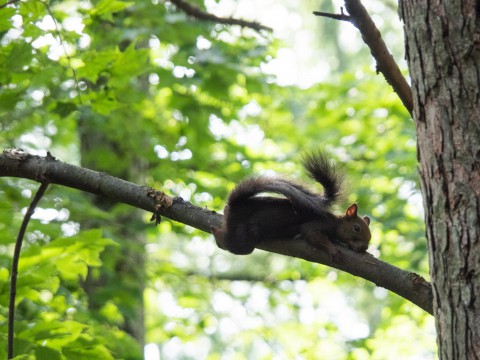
[[300, 213]]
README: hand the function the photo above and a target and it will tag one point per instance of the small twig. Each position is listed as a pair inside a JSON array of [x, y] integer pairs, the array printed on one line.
[[15, 260], [60, 40], [198, 13], [341, 16], [64, 47], [360, 18]]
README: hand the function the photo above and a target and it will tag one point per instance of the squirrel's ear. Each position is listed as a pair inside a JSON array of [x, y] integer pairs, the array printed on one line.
[[352, 210], [366, 219]]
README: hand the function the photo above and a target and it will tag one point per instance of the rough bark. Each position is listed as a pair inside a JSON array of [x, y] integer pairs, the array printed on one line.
[[443, 52]]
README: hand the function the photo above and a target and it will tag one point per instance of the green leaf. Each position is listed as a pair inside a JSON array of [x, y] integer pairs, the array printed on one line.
[[107, 7], [73, 255], [44, 352], [20, 55], [86, 348], [32, 9], [5, 18], [129, 63]]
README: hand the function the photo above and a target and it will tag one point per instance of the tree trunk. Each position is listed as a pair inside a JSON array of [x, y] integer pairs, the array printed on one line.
[[126, 264], [443, 52]]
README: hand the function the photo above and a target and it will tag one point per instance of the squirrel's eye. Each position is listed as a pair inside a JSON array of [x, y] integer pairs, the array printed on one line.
[[356, 228]]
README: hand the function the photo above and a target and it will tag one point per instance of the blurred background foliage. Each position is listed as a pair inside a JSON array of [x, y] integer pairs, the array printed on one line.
[[142, 91]]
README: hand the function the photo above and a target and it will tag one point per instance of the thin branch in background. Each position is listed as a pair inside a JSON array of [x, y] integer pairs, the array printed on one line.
[[341, 16], [15, 260], [198, 13], [62, 44], [60, 40], [9, 2], [360, 18]]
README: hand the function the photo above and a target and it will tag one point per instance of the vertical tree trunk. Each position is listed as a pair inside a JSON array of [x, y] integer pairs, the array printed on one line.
[[443, 51], [127, 263]]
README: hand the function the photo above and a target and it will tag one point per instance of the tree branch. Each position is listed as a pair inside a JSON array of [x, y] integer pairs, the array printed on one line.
[[15, 261], [197, 13], [12, 163], [9, 2], [341, 17], [360, 18]]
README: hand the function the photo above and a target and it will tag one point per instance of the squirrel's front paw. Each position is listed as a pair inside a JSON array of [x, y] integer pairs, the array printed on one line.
[[335, 254]]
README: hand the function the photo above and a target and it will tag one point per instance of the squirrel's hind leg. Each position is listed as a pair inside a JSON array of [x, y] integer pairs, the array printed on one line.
[[235, 235], [219, 234]]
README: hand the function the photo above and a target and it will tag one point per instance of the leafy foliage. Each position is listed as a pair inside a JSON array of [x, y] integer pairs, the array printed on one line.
[[141, 91]]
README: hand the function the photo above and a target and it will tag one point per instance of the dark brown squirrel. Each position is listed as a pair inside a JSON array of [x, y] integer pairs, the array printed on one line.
[[250, 219]]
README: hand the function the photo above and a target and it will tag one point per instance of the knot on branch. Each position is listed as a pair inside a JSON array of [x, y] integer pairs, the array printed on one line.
[[162, 201]]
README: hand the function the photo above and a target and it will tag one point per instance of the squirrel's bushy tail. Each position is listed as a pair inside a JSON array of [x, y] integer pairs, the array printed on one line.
[[320, 169], [324, 171]]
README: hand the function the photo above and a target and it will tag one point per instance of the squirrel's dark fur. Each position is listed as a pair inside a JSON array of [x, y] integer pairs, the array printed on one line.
[[249, 219]]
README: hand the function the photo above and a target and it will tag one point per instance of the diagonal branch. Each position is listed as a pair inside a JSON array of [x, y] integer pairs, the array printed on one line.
[[360, 18], [198, 13], [408, 285]]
